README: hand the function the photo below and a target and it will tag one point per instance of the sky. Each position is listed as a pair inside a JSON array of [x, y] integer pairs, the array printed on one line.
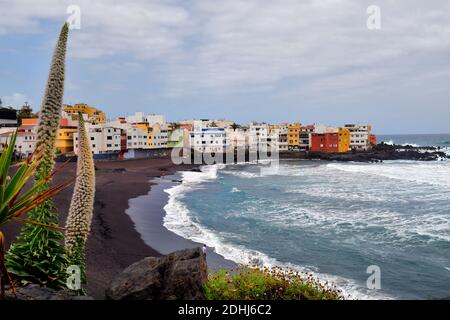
[[308, 61]]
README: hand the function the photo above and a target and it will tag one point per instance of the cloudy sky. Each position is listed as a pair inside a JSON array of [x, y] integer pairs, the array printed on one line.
[[313, 61]]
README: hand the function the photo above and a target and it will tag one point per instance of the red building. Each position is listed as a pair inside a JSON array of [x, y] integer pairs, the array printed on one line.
[[373, 139], [325, 142]]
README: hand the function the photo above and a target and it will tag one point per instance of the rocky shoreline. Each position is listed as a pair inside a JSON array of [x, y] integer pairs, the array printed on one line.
[[378, 153]]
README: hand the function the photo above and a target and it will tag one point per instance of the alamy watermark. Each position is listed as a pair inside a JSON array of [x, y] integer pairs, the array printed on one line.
[[374, 280], [374, 19], [74, 19], [73, 281]]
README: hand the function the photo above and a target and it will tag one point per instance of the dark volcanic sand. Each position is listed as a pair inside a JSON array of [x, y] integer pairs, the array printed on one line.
[[114, 243]]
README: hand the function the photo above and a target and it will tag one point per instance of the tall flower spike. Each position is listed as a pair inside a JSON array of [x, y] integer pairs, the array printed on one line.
[[50, 113], [82, 205], [38, 256]]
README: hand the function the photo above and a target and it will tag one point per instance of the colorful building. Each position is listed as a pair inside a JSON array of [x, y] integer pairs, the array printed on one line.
[[325, 142], [64, 135], [373, 140], [344, 140], [94, 116], [305, 137], [294, 136], [359, 136]]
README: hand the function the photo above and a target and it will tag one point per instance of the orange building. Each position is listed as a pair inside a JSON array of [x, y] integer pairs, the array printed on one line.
[[294, 136], [344, 140]]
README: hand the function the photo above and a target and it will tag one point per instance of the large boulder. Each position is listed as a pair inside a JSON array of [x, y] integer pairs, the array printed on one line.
[[179, 275]]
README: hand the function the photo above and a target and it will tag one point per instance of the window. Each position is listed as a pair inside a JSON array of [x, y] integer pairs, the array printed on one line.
[[109, 137], [92, 138]]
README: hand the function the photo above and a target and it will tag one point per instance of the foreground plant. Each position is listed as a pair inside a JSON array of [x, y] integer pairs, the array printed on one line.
[[249, 283], [81, 209], [15, 201], [38, 256]]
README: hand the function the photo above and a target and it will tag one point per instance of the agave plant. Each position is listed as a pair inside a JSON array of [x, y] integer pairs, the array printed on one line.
[[15, 200]]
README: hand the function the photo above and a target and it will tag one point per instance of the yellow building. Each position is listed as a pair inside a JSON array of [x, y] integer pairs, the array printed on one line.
[[144, 127], [95, 116], [64, 140], [344, 140], [294, 136], [152, 131]]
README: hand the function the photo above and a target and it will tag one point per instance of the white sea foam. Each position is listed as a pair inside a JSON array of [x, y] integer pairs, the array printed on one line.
[[180, 221], [235, 190], [391, 143], [434, 173]]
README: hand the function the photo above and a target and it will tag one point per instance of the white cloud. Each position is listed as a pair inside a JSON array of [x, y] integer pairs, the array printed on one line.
[[240, 45], [15, 100]]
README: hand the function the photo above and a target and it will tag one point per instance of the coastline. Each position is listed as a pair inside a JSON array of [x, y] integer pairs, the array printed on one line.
[[147, 212]]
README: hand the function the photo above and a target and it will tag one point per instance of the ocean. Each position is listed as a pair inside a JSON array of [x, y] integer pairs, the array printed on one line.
[[328, 218]]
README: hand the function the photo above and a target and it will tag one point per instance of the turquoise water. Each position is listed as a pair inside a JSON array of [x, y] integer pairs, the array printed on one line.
[[332, 219]]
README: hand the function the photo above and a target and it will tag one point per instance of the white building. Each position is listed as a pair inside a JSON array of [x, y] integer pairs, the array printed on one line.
[[137, 138], [159, 136], [153, 119], [104, 138], [209, 140], [280, 132], [322, 128], [260, 136], [5, 136], [26, 139], [237, 138], [359, 136]]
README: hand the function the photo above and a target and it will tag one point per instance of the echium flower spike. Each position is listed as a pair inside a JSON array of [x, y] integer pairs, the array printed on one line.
[[82, 205], [50, 113]]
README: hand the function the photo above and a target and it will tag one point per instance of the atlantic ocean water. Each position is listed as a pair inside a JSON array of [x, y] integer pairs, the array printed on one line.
[[328, 218]]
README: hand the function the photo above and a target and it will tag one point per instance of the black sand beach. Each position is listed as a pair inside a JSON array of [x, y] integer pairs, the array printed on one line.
[[147, 213], [114, 242]]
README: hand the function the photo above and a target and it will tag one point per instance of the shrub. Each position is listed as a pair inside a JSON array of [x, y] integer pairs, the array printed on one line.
[[251, 283]]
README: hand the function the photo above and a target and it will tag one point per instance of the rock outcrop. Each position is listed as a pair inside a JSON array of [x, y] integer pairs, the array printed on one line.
[[378, 153], [36, 292], [177, 276]]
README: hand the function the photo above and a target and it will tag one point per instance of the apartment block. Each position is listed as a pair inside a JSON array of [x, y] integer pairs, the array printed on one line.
[[344, 140], [209, 140], [294, 136], [94, 115], [103, 138], [325, 142], [359, 136]]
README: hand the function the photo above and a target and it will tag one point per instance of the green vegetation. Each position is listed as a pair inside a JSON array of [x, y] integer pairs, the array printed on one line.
[[82, 205], [25, 112], [15, 201], [38, 255], [249, 283]]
